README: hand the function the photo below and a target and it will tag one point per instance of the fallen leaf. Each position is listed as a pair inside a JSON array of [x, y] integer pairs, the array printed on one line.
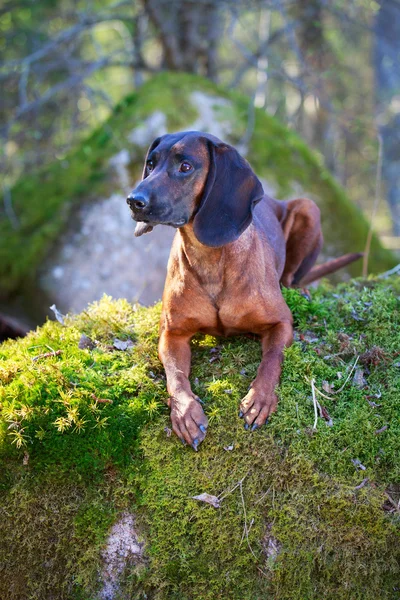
[[373, 404], [325, 415], [356, 317], [122, 345], [309, 337], [213, 500], [86, 343], [57, 314], [345, 341], [359, 379], [373, 356], [328, 387], [357, 463]]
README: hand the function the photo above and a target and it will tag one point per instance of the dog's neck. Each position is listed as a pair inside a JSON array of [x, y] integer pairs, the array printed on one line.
[[208, 263], [195, 251], [212, 265]]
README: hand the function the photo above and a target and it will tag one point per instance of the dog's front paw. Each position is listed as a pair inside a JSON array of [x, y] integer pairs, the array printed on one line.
[[188, 419], [256, 407]]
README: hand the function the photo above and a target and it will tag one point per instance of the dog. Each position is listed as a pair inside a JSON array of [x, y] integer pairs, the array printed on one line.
[[234, 249]]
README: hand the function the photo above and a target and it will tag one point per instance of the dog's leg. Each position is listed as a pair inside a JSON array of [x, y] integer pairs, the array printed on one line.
[[188, 419], [302, 231], [261, 400]]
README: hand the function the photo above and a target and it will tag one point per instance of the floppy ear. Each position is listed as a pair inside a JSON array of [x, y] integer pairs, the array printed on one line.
[[230, 194]]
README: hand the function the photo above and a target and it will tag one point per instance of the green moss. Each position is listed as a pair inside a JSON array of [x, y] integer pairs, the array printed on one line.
[[52, 530], [81, 462], [43, 202]]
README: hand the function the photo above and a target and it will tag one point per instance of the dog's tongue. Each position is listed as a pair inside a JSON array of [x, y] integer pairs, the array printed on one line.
[[142, 228]]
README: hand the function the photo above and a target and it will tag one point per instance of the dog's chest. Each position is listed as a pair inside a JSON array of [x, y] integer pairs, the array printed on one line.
[[213, 287], [211, 277], [234, 288], [239, 306]]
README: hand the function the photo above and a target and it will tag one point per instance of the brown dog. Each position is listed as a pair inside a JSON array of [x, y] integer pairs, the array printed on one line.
[[234, 248]]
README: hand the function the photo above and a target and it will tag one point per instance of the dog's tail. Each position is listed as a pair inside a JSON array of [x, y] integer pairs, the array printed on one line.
[[329, 267]]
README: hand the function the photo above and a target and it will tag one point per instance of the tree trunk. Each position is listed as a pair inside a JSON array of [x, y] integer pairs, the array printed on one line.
[[189, 33], [387, 77], [310, 33]]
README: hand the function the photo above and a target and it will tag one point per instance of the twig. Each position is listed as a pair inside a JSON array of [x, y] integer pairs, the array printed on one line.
[[245, 519], [392, 502], [375, 206], [224, 495], [361, 485], [47, 355], [315, 404], [101, 400], [246, 530], [321, 412], [340, 389], [263, 496], [393, 271], [381, 430], [315, 389]]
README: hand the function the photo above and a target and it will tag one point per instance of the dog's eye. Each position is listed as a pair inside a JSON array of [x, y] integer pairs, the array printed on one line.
[[185, 167], [150, 165]]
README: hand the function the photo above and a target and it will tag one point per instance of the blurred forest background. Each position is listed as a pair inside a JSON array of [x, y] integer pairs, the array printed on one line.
[[327, 69], [330, 69]]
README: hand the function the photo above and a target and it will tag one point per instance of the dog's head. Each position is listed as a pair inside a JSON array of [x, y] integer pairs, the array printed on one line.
[[193, 177]]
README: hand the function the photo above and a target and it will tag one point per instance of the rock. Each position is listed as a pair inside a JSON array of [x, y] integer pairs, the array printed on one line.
[[115, 262], [11, 327], [123, 548]]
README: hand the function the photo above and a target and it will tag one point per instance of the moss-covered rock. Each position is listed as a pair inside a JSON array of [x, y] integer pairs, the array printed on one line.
[[304, 513], [110, 160]]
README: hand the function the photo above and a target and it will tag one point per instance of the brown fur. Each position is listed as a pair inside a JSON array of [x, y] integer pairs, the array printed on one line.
[[223, 288]]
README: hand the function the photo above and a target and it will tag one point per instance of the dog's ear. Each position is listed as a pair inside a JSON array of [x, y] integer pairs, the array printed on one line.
[[149, 151], [230, 194]]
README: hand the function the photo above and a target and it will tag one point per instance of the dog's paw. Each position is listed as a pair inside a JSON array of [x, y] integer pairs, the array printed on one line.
[[189, 422], [256, 408]]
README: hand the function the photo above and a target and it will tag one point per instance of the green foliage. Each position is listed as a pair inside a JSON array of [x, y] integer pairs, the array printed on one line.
[[304, 513], [44, 202]]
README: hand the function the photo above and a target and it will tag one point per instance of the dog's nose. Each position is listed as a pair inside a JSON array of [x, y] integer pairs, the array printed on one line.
[[138, 202]]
